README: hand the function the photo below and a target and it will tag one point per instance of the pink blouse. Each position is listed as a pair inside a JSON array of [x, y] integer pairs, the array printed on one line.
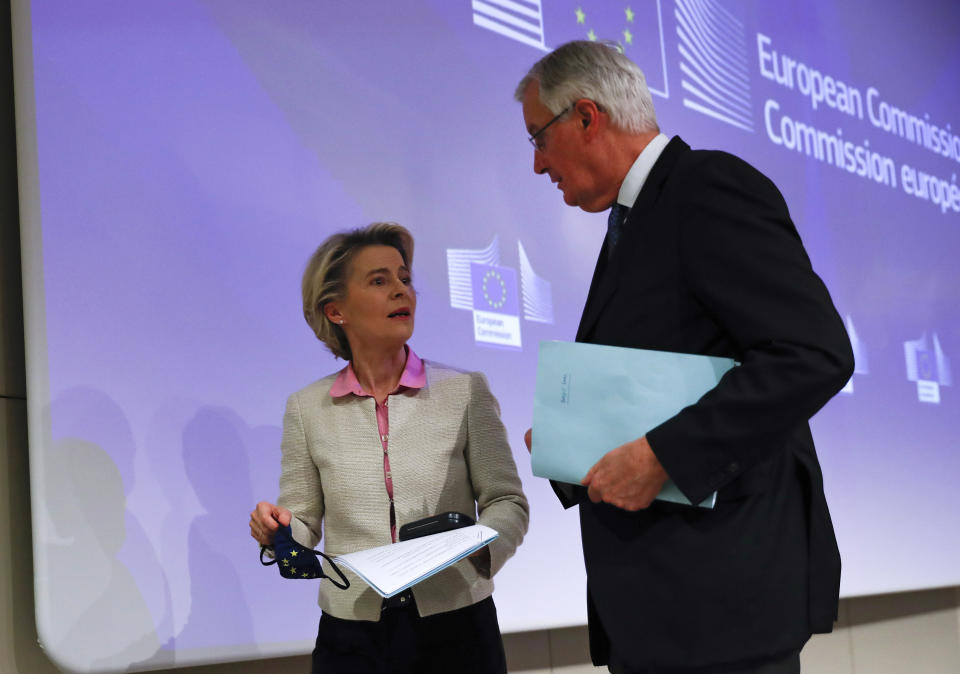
[[413, 376]]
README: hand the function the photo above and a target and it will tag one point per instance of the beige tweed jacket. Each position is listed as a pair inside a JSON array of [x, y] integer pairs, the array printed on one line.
[[448, 451]]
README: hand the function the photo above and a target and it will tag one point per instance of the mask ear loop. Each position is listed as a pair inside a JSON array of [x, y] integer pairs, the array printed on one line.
[[345, 584], [342, 585], [263, 549]]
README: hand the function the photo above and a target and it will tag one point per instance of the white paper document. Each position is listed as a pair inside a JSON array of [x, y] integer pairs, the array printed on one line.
[[390, 569]]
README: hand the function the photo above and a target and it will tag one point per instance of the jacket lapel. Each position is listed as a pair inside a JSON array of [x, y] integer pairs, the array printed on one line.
[[606, 273], [595, 297]]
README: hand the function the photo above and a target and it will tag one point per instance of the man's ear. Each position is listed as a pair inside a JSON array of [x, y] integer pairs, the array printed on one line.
[[589, 115]]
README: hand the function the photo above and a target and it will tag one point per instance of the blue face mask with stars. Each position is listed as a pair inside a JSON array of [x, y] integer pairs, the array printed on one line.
[[296, 561]]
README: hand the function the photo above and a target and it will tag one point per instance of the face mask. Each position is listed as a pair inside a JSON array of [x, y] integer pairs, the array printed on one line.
[[297, 561]]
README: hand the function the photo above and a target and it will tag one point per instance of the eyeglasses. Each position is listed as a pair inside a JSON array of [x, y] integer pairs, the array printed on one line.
[[538, 145]]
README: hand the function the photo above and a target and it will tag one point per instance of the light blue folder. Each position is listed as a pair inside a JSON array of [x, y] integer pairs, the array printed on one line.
[[592, 398]]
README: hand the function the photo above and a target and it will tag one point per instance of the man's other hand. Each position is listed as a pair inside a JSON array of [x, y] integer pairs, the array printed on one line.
[[628, 477], [528, 439]]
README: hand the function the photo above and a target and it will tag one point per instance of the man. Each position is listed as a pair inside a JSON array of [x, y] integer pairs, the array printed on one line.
[[700, 257]]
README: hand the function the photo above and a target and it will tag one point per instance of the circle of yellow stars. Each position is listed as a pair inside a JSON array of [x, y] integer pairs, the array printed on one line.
[[629, 14], [493, 274]]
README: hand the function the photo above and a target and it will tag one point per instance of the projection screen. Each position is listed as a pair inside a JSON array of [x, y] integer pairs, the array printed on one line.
[[180, 160]]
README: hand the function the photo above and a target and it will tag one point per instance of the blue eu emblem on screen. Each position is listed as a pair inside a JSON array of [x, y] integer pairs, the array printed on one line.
[[928, 366], [496, 305], [494, 289], [497, 296]]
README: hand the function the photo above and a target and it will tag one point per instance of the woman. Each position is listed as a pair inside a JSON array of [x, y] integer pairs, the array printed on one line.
[[388, 440]]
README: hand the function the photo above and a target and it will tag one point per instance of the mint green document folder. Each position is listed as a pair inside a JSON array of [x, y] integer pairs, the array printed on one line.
[[592, 398]]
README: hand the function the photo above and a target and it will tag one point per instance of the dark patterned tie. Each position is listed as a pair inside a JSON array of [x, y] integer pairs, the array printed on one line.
[[614, 225]]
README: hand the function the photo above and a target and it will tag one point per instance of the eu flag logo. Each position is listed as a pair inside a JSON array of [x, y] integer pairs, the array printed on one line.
[[636, 27], [495, 289], [928, 366], [496, 305]]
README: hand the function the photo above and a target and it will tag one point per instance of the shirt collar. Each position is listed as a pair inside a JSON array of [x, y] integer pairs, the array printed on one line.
[[637, 175], [413, 376]]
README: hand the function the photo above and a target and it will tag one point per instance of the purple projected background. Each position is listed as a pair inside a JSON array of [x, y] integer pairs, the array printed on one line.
[[192, 154]]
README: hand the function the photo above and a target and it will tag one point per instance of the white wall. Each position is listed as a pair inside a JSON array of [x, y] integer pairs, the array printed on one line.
[[892, 634]]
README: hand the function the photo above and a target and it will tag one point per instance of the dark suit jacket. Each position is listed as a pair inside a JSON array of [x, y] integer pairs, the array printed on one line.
[[709, 262]]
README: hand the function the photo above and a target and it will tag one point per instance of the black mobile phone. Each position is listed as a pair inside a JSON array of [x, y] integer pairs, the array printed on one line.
[[434, 525]]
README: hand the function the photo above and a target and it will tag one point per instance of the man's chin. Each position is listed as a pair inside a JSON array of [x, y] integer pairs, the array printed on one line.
[[572, 200], [592, 208]]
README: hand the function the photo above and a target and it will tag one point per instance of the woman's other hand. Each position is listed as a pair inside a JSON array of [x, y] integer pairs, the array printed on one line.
[[265, 519]]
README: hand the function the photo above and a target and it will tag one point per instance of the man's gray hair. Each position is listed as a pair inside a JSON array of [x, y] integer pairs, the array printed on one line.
[[598, 71]]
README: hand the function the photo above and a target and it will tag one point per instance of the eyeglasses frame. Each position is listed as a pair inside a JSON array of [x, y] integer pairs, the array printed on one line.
[[533, 138]]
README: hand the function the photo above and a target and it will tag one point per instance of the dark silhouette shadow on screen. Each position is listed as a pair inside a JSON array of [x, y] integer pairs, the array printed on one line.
[[105, 591], [96, 618], [93, 416], [215, 460]]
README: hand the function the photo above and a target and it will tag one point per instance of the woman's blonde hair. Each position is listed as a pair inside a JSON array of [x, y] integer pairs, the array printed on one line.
[[325, 278]]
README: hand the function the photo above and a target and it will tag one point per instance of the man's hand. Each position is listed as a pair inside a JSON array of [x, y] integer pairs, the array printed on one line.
[[628, 477], [265, 520], [528, 439]]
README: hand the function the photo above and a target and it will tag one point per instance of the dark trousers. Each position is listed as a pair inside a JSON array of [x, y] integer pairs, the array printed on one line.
[[465, 641], [788, 663]]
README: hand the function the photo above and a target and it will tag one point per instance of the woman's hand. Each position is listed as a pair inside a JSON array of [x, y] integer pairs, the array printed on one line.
[[265, 519]]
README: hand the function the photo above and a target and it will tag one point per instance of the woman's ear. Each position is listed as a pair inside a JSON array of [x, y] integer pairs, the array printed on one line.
[[332, 312]]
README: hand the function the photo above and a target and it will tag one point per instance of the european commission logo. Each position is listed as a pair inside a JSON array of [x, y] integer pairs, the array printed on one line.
[[495, 295], [636, 27], [928, 366], [496, 309]]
